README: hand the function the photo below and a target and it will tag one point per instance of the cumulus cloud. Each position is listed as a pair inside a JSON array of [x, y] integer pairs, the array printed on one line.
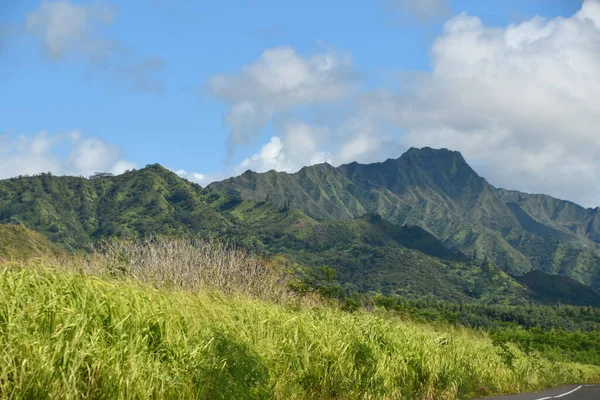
[[280, 80], [203, 179], [299, 144], [271, 156], [121, 167], [521, 100], [192, 176], [29, 155], [368, 149]]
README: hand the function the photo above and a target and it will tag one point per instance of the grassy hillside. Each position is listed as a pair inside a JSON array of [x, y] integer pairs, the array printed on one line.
[[373, 255], [75, 211], [370, 254], [18, 243], [67, 335]]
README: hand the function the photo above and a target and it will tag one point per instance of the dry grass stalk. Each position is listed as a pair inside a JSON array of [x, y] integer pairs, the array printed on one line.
[[189, 265]]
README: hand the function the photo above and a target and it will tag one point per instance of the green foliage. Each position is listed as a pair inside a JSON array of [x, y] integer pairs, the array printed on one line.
[[556, 345], [75, 212], [230, 369], [372, 255], [369, 253], [438, 191], [74, 336], [552, 289], [560, 333], [495, 316], [321, 281]]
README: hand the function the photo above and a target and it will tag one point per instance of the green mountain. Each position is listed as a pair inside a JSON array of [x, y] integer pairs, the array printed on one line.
[[76, 211], [425, 225], [370, 254], [438, 191]]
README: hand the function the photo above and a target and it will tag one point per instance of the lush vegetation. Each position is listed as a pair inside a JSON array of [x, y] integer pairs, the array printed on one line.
[[368, 253], [371, 255], [438, 191], [559, 332], [553, 289], [76, 212], [74, 335], [424, 265]]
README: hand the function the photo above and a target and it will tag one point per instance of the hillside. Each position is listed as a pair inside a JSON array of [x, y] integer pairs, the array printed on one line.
[[75, 211], [438, 191], [424, 225], [88, 337], [18, 243], [370, 254], [552, 289]]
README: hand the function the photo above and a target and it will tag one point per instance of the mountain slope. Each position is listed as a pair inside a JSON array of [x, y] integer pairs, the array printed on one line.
[[562, 215], [552, 289], [18, 243], [75, 211], [438, 191], [434, 209], [368, 253]]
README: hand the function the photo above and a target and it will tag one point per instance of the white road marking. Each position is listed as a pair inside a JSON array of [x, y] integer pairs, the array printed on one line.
[[561, 395]]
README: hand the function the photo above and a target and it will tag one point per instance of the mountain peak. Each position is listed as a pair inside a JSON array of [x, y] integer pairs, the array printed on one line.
[[156, 168], [426, 152], [440, 169]]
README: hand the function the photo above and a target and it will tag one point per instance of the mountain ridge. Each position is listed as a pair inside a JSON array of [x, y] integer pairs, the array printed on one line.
[[437, 190], [431, 194]]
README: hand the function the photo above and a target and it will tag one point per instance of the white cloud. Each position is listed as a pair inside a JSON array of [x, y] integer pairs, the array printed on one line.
[[299, 144], [356, 147], [520, 102], [195, 177], [29, 155], [290, 153], [64, 28], [278, 81], [271, 156], [121, 167]]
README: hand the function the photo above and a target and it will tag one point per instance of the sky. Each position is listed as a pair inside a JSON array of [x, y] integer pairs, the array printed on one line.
[[211, 89]]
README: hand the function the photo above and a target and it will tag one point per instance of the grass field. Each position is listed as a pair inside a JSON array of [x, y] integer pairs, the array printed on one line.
[[70, 335]]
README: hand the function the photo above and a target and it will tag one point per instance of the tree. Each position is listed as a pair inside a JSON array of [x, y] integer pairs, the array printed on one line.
[[101, 175]]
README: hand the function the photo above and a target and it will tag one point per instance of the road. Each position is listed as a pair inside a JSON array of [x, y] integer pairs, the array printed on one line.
[[571, 392]]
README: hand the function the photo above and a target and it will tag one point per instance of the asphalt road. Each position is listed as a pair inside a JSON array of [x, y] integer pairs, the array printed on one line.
[[571, 392]]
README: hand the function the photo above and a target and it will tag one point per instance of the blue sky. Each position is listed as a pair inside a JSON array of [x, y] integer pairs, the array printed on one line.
[[213, 88]]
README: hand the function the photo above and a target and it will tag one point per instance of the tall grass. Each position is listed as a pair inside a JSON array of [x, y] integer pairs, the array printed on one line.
[[188, 264], [73, 335]]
